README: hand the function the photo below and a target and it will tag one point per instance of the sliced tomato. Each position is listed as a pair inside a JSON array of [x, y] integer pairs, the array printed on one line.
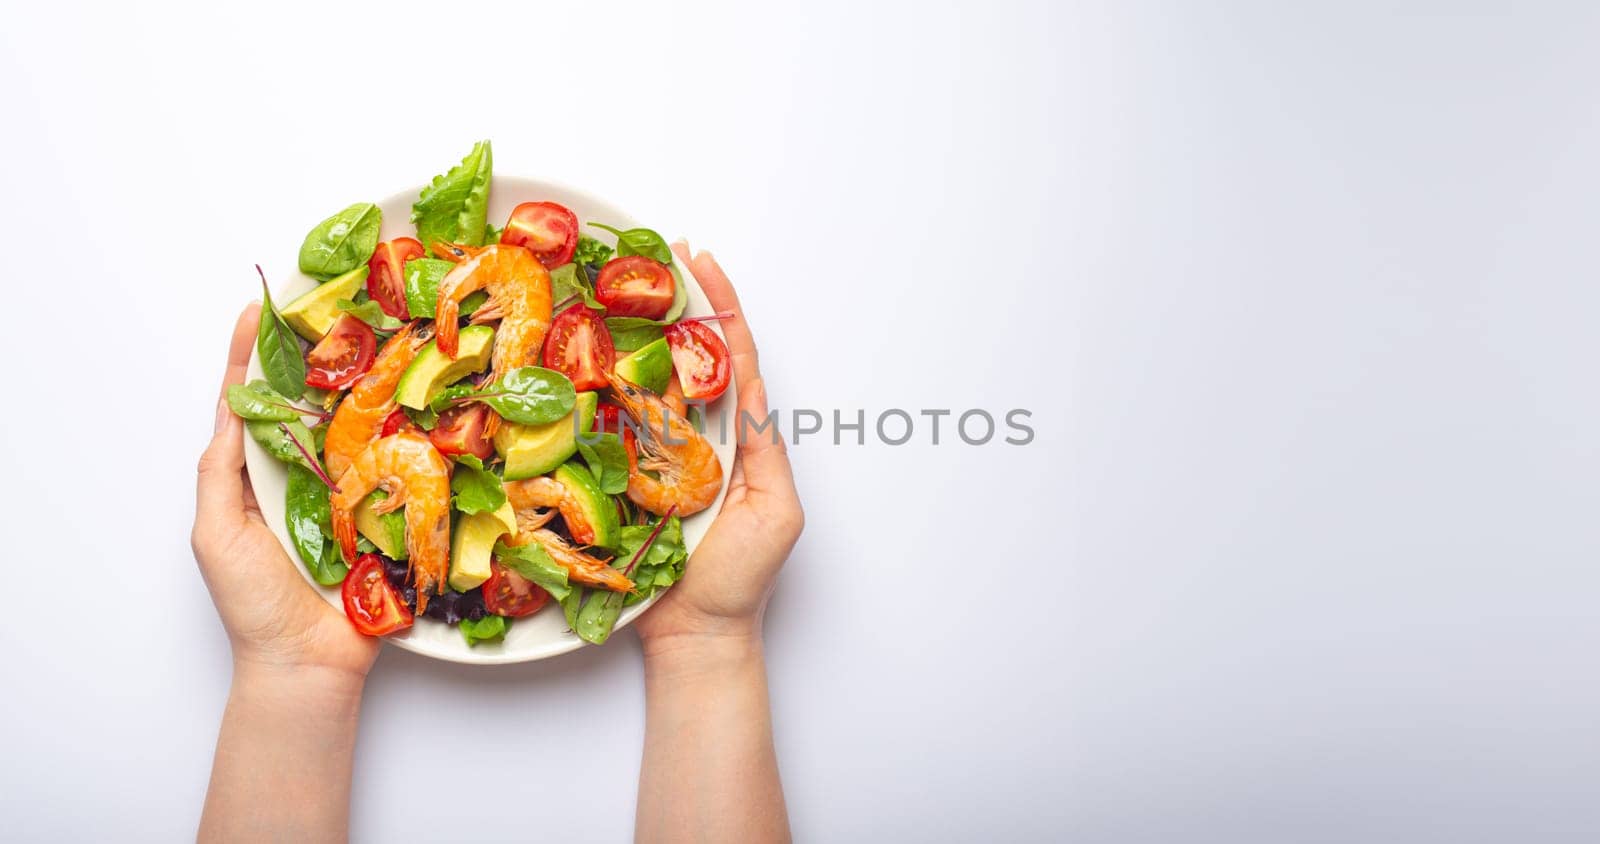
[[510, 594], [398, 421], [579, 347], [460, 431], [386, 274], [546, 229], [635, 286], [609, 419], [342, 355], [700, 358], [371, 602]]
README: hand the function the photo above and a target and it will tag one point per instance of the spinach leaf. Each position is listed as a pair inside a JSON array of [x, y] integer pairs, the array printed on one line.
[[591, 252], [487, 629], [639, 242], [630, 333], [258, 402], [530, 395], [608, 461], [279, 439], [309, 519], [477, 490], [279, 348], [455, 207], [422, 276], [534, 563], [370, 313], [342, 242]]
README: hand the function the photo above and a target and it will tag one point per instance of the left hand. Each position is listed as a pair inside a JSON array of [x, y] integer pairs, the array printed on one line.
[[274, 618]]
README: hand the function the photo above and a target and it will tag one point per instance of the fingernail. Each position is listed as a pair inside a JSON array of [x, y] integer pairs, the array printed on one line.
[[222, 415]]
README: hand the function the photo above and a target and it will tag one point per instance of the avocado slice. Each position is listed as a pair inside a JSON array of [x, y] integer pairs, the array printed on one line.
[[315, 312], [597, 508], [387, 531], [430, 371], [472, 546], [649, 366], [532, 450]]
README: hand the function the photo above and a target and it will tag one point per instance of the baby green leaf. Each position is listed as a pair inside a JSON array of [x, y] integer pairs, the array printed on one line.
[[568, 281], [309, 519], [608, 461], [477, 490], [454, 208], [342, 242], [422, 285], [632, 333], [258, 402], [290, 442], [534, 563], [278, 347], [530, 395], [371, 313], [487, 629], [639, 242]]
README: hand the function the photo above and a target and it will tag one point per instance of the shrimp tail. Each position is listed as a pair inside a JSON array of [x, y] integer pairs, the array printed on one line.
[[344, 530], [447, 331]]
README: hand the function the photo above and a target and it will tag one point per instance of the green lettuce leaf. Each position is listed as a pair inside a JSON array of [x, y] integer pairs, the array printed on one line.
[[455, 207]]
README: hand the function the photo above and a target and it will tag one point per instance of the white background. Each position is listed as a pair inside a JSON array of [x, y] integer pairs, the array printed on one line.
[[1303, 305]]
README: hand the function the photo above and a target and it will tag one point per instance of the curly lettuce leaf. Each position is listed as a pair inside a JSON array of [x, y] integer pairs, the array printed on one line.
[[455, 207]]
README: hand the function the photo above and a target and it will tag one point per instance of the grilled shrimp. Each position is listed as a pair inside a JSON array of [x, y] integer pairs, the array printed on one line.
[[417, 477], [519, 296], [688, 474], [580, 567], [532, 500], [360, 416]]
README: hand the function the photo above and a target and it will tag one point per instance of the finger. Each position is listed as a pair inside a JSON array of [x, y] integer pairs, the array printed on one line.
[[761, 446], [219, 488], [718, 289]]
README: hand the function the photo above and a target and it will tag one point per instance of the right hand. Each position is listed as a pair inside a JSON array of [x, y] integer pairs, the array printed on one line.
[[274, 619], [729, 577]]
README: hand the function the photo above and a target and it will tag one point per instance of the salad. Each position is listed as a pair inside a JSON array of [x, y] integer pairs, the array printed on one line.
[[482, 421]]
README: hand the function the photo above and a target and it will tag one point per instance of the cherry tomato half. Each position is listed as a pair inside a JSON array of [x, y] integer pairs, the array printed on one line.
[[386, 274], [510, 594], [579, 347], [546, 229], [635, 286], [460, 431], [700, 358], [342, 356], [370, 602], [398, 421]]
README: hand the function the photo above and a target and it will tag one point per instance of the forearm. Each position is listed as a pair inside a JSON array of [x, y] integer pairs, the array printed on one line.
[[709, 770], [284, 755]]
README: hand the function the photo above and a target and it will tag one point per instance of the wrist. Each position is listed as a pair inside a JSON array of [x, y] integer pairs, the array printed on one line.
[[703, 651], [299, 687]]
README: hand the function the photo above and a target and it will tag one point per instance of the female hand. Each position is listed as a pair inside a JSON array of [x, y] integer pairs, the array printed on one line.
[[731, 573], [273, 617]]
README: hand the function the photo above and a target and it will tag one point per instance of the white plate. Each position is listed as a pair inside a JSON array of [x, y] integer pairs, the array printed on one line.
[[545, 633]]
